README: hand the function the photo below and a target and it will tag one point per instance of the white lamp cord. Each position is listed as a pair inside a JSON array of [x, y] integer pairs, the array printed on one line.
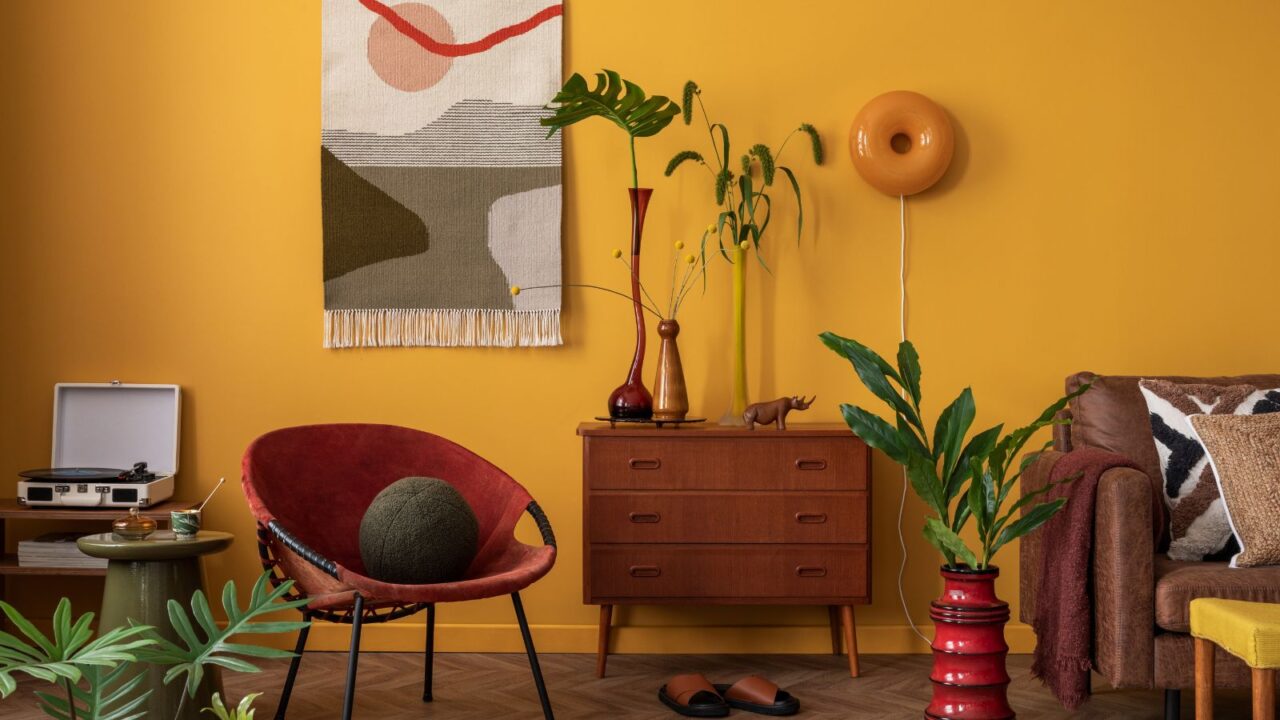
[[902, 329]]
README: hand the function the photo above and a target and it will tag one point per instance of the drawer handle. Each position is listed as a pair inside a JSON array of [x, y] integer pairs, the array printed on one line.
[[811, 464], [645, 517], [811, 571], [811, 518], [645, 571], [645, 463]]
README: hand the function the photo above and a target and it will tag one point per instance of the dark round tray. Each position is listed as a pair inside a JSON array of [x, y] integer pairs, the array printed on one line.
[[613, 422]]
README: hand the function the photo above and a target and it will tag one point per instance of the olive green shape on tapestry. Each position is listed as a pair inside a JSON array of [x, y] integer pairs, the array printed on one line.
[[362, 224]]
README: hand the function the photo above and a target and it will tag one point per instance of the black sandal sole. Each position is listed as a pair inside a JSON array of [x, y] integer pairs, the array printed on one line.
[[701, 710], [789, 706]]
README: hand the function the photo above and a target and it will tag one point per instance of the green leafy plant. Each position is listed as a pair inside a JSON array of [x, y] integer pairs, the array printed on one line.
[[243, 711], [67, 658], [744, 204], [619, 101], [959, 477], [211, 644], [744, 207], [107, 694], [95, 675]]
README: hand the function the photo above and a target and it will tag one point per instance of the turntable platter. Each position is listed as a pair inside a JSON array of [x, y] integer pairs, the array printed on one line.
[[71, 474]]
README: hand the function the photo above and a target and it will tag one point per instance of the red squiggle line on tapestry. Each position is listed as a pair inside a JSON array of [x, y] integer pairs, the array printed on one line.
[[430, 44]]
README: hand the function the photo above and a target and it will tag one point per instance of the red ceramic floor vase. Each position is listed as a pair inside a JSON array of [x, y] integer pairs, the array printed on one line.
[[970, 681], [632, 399]]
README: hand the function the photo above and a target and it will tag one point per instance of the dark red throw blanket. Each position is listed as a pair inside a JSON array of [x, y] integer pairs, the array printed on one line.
[[1064, 609]]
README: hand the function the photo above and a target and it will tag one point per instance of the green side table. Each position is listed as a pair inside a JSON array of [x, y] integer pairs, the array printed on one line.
[[142, 576]]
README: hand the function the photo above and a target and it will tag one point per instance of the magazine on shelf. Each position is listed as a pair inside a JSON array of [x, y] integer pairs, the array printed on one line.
[[56, 550]]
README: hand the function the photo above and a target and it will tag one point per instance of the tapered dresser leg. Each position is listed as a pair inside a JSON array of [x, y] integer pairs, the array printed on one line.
[[833, 616], [850, 638], [1264, 694], [1172, 704], [602, 647], [1204, 679]]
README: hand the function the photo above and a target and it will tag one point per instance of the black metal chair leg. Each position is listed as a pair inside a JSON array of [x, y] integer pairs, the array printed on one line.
[[430, 653], [533, 657], [293, 671], [1172, 704], [357, 616]]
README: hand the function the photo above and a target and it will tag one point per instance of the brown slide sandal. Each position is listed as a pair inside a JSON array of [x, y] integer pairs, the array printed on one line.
[[693, 696], [757, 695]]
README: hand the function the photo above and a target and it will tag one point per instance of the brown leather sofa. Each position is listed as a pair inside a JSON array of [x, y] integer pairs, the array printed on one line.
[[1140, 596]]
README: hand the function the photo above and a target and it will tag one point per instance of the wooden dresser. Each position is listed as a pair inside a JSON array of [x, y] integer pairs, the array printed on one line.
[[710, 515]]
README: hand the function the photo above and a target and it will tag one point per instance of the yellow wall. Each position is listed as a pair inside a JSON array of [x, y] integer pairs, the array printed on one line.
[[1111, 206]]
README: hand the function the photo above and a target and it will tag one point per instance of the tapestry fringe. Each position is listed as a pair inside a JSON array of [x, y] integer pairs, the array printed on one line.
[[427, 327]]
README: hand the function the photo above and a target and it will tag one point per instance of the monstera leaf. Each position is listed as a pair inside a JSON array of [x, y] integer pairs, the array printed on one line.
[[211, 645], [619, 101]]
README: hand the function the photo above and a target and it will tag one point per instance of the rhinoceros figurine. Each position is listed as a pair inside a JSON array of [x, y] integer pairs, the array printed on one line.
[[775, 411]]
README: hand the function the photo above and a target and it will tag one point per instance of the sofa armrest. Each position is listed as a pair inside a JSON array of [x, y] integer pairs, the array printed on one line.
[[1034, 477], [1124, 579]]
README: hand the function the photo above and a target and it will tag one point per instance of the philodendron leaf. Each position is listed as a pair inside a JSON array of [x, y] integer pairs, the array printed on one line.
[[216, 648], [875, 432], [1034, 518], [941, 537], [978, 448], [874, 372], [952, 427], [923, 475], [67, 655], [909, 368]]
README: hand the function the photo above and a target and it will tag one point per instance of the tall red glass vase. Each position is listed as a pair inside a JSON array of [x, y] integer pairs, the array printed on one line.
[[632, 400], [970, 681]]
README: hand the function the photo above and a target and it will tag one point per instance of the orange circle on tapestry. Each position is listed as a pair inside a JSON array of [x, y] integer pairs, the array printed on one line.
[[902, 142], [400, 61]]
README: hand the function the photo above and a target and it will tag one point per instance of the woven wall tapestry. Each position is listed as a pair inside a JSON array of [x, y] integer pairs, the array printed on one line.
[[439, 189]]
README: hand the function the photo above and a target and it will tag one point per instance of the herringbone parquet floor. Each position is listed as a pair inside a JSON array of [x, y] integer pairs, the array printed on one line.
[[482, 687]]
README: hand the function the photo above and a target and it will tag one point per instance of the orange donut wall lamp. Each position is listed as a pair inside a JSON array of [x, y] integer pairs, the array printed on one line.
[[902, 142]]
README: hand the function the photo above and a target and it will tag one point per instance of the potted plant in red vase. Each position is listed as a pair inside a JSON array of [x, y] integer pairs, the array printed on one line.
[[961, 478], [626, 105]]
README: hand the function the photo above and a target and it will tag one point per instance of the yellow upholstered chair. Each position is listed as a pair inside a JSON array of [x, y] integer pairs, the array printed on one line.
[[1248, 630]]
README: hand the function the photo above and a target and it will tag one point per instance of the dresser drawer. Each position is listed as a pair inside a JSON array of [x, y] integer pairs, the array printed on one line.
[[761, 462], [727, 517], [728, 571]]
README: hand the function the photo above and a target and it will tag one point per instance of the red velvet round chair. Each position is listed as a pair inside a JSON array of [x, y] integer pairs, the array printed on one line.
[[309, 487]]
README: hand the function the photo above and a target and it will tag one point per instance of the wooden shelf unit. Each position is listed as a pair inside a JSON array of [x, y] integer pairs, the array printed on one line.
[[11, 510]]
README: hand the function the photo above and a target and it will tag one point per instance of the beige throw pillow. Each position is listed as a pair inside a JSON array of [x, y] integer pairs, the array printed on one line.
[[1245, 453]]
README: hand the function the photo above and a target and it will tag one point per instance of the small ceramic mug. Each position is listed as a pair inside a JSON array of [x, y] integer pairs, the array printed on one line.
[[184, 523]]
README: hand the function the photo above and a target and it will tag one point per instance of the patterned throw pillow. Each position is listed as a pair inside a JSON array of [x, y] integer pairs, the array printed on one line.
[[1245, 453], [1199, 529]]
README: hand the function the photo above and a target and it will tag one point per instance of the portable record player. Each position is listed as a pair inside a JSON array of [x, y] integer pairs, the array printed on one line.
[[114, 445]]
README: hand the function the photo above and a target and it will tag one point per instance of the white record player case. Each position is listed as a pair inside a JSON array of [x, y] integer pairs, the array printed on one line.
[[112, 425]]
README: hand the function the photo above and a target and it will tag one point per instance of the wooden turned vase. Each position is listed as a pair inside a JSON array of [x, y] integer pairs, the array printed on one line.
[[670, 398], [970, 681]]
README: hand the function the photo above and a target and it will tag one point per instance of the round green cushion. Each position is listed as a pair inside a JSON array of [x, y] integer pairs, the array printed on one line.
[[418, 531]]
